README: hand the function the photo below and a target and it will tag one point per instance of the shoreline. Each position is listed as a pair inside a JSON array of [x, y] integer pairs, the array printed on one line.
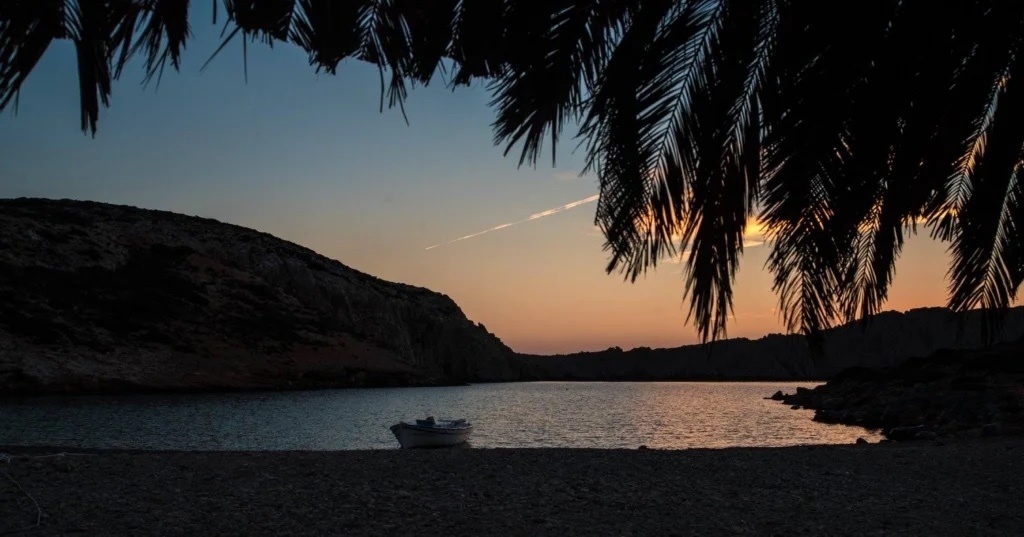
[[14, 450], [963, 487], [20, 396]]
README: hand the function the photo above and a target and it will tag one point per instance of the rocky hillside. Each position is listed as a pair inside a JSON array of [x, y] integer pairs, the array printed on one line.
[[888, 339], [97, 297]]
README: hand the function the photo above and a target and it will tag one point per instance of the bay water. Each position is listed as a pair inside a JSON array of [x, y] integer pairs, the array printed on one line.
[[671, 415]]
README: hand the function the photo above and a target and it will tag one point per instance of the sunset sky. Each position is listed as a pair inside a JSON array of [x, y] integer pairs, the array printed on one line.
[[310, 159]]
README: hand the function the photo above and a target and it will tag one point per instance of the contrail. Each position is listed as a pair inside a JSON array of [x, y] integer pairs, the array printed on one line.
[[534, 216]]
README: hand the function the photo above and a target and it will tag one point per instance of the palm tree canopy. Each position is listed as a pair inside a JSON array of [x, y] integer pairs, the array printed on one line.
[[841, 126]]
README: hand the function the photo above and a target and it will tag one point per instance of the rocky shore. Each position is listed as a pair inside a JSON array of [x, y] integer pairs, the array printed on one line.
[[964, 488], [947, 394]]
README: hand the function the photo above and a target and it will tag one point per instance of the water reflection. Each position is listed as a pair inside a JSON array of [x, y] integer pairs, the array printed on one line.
[[545, 414]]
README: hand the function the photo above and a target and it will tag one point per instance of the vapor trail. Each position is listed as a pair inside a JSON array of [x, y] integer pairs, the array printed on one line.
[[534, 216]]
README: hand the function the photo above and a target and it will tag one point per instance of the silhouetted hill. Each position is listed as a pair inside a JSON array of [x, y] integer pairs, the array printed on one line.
[[99, 297], [888, 339]]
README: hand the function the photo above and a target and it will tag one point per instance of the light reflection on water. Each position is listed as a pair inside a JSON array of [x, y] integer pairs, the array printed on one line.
[[541, 414]]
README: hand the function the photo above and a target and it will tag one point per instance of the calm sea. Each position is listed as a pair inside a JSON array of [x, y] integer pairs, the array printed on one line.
[[542, 414]]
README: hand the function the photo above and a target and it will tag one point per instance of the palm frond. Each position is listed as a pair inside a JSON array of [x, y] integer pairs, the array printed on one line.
[[614, 131], [809, 101], [720, 155], [986, 247], [478, 40], [329, 31], [430, 33], [386, 44], [988, 37], [27, 27], [89, 26], [536, 101], [163, 31], [899, 113]]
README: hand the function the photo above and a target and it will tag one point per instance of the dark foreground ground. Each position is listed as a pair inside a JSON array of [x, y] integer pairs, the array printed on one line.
[[966, 488]]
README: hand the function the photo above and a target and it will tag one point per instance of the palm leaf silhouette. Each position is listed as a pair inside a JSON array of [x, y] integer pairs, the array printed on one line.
[[841, 126]]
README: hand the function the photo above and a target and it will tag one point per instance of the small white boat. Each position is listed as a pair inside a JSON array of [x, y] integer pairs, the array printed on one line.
[[432, 433]]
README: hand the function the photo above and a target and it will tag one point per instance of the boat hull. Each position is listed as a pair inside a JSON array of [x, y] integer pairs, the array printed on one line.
[[411, 436]]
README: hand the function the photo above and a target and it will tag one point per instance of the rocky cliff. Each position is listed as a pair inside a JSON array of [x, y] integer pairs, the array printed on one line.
[[99, 297], [885, 340]]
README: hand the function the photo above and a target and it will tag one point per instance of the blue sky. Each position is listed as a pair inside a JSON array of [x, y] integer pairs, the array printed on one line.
[[310, 158]]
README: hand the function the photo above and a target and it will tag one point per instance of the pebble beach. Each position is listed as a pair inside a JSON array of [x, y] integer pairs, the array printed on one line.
[[973, 487]]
